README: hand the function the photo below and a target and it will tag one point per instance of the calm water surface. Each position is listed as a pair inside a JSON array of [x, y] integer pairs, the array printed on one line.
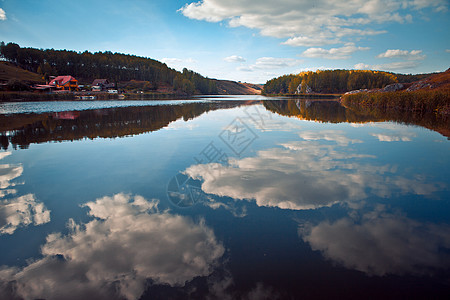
[[239, 199]]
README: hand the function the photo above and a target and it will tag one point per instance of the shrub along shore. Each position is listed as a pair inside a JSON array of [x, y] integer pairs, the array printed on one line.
[[420, 101]]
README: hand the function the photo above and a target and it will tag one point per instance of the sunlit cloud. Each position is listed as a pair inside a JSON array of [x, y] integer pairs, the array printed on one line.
[[397, 53], [234, 58], [306, 41], [179, 63], [386, 243], [437, 5], [308, 23], [171, 60], [344, 52], [271, 63], [362, 66], [2, 15], [394, 66], [313, 69], [112, 256]]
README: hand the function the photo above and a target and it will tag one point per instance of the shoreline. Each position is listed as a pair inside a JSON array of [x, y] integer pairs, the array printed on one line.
[[307, 96], [420, 101], [6, 97]]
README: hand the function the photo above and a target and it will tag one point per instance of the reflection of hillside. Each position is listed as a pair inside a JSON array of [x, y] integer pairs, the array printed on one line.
[[26, 129], [334, 112]]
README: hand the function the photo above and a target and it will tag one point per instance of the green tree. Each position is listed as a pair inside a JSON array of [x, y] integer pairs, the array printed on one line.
[[10, 51]]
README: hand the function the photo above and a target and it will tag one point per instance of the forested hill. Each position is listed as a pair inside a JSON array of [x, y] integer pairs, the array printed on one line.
[[116, 67], [335, 81]]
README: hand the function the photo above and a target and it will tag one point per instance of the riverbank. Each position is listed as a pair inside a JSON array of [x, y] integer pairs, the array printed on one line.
[[72, 96], [420, 101], [431, 95], [306, 96]]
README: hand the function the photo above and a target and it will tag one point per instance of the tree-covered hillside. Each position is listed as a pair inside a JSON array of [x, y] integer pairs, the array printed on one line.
[[329, 81], [116, 67]]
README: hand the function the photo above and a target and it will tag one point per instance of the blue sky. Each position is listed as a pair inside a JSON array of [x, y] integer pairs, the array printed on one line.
[[246, 40]]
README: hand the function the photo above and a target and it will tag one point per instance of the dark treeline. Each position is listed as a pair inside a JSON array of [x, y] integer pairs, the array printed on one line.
[[329, 81], [26, 129], [116, 67]]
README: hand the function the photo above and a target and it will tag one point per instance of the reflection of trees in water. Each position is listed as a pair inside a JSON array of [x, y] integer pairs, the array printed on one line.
[[25, 129], [334, 112], [326, 111]]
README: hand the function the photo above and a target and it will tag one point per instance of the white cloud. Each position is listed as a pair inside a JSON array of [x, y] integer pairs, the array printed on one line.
[[397, 53], [2, 15], [299, 41], [306, 175], [169, 61], [334, 53], [234, 58], [112, 256], [178, 63], [302, 21], [394, 66], [437, 5], [412, 60], [386, 243], [447, 50], [271, 63], [313, 69], [362, 66]]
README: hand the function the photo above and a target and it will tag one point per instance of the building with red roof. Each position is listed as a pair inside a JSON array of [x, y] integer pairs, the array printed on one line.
[[65, 83]]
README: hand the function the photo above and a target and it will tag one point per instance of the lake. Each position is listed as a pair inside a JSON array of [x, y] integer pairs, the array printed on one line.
[[222, 198]]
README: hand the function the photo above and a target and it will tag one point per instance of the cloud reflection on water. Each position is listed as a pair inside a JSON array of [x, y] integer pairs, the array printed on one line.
[[308, 174], [380, 243], [112, 256], [20, 211]]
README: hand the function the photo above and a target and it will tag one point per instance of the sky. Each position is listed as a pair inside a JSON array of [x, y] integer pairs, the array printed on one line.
[[243, 40]]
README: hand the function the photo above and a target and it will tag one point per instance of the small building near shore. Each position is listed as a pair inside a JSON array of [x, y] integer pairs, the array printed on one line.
[[99, 85], [65, 83]]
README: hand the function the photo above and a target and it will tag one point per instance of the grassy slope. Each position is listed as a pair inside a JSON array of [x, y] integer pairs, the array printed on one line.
[[9, 72], [228, 87]]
